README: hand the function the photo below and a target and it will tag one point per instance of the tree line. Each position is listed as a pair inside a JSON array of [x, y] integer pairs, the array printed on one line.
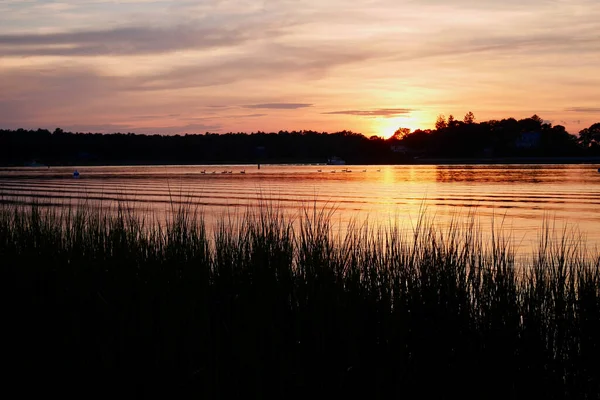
[[528, 137], [451, 138], [65, 148]]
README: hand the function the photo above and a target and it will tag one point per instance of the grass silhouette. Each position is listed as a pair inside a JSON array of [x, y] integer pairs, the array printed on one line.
[[97, 301]]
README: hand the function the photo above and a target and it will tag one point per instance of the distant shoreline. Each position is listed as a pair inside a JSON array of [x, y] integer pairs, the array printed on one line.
[[417, 161]]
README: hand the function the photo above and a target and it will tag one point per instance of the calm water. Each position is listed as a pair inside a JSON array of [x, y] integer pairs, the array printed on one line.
[[524, 195]]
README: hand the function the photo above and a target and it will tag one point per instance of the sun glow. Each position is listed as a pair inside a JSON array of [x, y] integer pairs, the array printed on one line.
[[388, 126]]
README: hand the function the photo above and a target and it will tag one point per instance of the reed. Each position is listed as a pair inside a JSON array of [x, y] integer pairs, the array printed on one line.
[[265, 305]]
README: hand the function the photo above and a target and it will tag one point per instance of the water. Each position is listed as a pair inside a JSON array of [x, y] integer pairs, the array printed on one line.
[[522, 196]]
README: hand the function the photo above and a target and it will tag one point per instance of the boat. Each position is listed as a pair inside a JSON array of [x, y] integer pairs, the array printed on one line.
[[76, 174], [335, 161]]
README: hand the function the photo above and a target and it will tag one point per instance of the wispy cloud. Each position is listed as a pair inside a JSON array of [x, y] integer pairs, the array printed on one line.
[[241, 116], [381, 112], [583, 109], [127, 41], [280, 106]]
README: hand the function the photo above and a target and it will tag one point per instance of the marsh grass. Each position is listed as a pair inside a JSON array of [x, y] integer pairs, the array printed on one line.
[[97, 301]]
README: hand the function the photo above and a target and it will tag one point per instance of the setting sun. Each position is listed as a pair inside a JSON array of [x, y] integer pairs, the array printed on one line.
[[388, 126]]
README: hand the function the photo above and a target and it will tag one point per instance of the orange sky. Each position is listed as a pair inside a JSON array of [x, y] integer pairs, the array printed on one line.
[[369, 66]]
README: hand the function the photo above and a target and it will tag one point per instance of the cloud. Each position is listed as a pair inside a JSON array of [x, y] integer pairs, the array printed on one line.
[[280, 106], [219, 117], [381, 112], [158, 116], [247, 116], [128, 41], [34, 94], [583, 109], [301, 62], [67, 90]]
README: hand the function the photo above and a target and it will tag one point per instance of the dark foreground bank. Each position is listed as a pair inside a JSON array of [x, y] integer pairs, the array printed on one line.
[[99, 304]]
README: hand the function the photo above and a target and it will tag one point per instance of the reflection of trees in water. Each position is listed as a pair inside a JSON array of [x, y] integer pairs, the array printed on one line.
[[504, 174]]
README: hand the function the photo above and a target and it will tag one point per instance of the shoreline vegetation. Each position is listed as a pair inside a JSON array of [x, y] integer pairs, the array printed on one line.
[[528, 140], [105, 301]]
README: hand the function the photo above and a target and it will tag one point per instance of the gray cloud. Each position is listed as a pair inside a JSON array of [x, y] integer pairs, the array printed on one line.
[[381, 112], [565, 122], [280, 106], [247, 116], [235, 116], [310, 63], [130, 41], [522, 48], [142, 117], [584, 109], [32, 95], [71, 89]]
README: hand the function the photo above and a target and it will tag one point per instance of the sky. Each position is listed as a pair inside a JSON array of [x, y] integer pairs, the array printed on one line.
[[370, 66]]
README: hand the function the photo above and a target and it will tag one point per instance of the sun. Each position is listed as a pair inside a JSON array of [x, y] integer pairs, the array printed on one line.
[[388, 126]]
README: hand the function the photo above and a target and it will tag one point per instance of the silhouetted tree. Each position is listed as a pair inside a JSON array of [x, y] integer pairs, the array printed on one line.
[[536, 118], [452, 122], [401, 133], [419, 140], [469, 118], [440, 123], [533, 123], [590, 137], [557, 141], [62, 148]]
